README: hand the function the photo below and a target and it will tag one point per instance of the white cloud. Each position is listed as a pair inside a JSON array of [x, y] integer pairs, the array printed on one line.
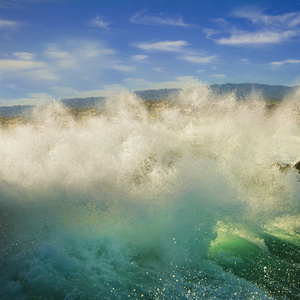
[[10, 65], [157, 69], [46, 73], [295, 21], [24, 55], [199, 59], [142, 18], [60, 59], [8, 24], [256, 38], [169, 46], [99, 22], [210, 32], [53, 53], [77, 50], [288, 61], [123, 68], [221, 21], [258, 17], [91, 50], [138, 58], [74, 61], [266, 29], [27, 68], [78, 55]]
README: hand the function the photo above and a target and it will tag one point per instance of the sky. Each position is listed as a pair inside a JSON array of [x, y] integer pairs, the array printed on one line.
[[58, 49]]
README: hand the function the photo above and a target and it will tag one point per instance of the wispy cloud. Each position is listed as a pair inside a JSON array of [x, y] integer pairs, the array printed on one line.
[[8, 24], [206, 59], [78, 55], [99, 22], [209, 32], [138, 58], [27, 68], [266, 29], [257, 38], [257, 16], [288, 61], [157, 69], [74, 61], [60, 59], [169, 46], [53, 52], [123, 68], [12, 65], [24, 55], [147, 19]]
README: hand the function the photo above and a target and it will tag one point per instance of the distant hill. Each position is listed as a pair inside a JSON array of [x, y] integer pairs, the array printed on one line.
[[156, 95], [11, 111], [273, 92], [74, 103], [83, 103]]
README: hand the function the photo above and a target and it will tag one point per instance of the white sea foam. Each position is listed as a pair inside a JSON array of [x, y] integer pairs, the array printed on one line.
[[126, 203]]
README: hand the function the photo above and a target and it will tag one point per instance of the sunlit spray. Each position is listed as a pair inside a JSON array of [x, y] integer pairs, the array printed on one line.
[[191, 199]]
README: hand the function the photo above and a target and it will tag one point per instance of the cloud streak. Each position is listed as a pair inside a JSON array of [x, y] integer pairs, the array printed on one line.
[[258, 17], [99, 22], [24, 55], [11, 65], [123, 68], [142, 18], [8, 24], [199, 59], [287, 61], [138, 58], [167, 46], [73, 61], [266, 29], [256, 38]]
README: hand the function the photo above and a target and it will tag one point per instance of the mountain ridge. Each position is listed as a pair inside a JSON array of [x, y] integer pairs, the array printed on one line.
[[241, 90]]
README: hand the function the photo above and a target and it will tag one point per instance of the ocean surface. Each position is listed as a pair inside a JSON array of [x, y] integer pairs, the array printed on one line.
[[194, 199]]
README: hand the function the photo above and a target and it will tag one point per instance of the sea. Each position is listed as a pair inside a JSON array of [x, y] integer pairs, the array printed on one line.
[[196, 197]]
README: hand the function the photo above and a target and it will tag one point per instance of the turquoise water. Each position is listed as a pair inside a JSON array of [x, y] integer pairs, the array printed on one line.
[[188, 204]]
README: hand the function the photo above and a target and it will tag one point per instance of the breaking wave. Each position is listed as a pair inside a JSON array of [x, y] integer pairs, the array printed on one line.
[[191, 198]]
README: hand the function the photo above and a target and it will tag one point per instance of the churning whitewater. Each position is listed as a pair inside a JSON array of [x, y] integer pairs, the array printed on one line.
[[196, 199]]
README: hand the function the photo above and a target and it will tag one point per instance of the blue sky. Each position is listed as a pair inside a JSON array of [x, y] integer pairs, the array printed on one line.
[[71, 48]]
